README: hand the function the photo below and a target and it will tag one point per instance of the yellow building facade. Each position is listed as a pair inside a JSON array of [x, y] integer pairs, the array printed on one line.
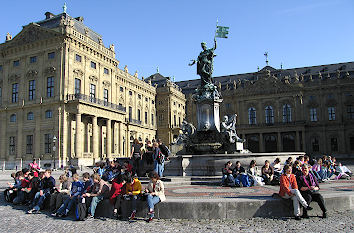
[[64, 100]]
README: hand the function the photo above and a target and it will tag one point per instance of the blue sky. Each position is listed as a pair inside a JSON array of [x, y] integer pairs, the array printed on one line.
[[167, 33]]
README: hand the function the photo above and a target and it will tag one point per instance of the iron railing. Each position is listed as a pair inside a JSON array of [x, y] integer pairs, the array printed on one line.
[[89, 99]]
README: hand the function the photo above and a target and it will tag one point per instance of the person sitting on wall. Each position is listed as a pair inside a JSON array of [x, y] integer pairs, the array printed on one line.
[[156, 193], [238, 172], [289, 189], [133, 189], [276, 167], [252, 171], [227, 177], [267, 173], [309, 189]]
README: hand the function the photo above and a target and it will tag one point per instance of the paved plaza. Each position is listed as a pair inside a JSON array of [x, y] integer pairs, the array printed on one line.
[[14, 219]]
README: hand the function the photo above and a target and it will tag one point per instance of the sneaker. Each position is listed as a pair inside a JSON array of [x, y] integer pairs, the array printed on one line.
[[54, 214], [297, 218], [151, 213], [132, 216], [30, 211], [90, 217], [149, 219]]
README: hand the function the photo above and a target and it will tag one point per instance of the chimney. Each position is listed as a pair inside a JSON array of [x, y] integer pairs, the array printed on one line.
[[49, 15]]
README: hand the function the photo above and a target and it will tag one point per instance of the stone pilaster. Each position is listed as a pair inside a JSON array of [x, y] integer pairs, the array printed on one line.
[[261, 143], [279, 142], [95, 137], [109, 138], [78, 137]]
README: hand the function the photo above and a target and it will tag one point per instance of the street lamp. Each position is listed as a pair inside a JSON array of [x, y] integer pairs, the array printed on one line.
[[54, 148]]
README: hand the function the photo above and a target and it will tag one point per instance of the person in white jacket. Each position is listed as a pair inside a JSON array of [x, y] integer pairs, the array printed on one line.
[[156, 193]]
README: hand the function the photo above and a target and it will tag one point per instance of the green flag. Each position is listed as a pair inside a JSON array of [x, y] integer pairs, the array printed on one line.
[[221, 32]]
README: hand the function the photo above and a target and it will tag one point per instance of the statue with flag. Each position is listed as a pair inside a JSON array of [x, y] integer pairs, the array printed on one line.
[[206, 57]]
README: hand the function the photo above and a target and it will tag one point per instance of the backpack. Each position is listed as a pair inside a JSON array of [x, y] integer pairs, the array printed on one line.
[[161, 158], [10, 195], [165, 151], [80, 211]]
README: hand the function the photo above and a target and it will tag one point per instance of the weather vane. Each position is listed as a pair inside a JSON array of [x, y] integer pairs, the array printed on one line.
[[266, 55]]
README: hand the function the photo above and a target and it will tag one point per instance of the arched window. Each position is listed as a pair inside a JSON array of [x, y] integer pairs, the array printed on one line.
[[13, 118], [30, 116], [252, 120], [48, 114], [286, 113], [269, 115]]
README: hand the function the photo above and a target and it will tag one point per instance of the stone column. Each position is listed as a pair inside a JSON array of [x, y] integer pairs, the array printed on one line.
[[37, 134], [121, 137], [297, 142], [109, 138], [261, 143], [78, 137], [19, 140], [303, 141], [115, 138], [3, 136], [95, 137], [279, 142], [66, 131]]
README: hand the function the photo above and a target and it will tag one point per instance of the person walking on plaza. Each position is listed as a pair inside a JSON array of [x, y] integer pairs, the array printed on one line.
[[159, 159], [156, 193], [289, 189], [309, 189]]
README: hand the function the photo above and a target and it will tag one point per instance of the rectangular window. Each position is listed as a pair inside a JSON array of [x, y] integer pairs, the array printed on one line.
[[105, 97], [315, 145], [152, 119], [50, 86], [139, 96], [47, 143], [29, 144], [146, 117], [77, 86], [351, 139], [174, 121], [179, 121], [16, 63], [0, 67], [33, 59], [12, 146], [130, 114], [14, 93], [93, 65], [93, 93], [32, 90], [78, 58], [139, 117], [121, 89], [350, 112], [51, 55], [313, 114], [105, 70], [334, 145], [130, 93], [331, 113]]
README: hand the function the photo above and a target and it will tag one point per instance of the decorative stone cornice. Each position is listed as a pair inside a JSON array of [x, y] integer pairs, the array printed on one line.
[[93, 78], [106, 83], [32, 74], [14, 77], [50, 70], [78, 72]]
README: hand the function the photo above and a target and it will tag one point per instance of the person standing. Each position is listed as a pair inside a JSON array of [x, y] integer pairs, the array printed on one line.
[[136, 155], [158, 158]]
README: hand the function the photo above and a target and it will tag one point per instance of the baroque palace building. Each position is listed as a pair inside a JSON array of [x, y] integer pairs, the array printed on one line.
[[307, 109], [63, 98]]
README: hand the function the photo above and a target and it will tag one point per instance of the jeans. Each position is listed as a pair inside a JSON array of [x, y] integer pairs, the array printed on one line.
[[39, 200], [152, 201], [20, 197], [66, 206], [94, 203], [158, 168], [133, 199], [296, 199], [316, 197]]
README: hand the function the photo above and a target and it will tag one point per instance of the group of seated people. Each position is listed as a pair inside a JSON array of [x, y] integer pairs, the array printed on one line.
[[323, 169], [238, 176], [33, 188]]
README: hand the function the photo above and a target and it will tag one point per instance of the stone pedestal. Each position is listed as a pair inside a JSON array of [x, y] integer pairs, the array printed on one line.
[[239, 146], [208, 116]]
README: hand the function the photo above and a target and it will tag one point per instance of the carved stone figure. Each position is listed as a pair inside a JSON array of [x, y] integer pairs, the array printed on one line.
[[8, 37], [228, 128], [188, 130], [205, 64]]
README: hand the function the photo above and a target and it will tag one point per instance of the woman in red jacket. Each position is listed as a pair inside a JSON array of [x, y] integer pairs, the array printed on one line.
[[289, 189], [117, 192]]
